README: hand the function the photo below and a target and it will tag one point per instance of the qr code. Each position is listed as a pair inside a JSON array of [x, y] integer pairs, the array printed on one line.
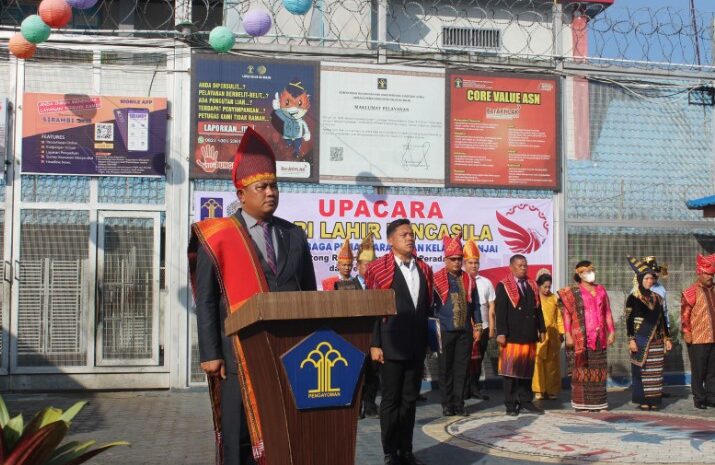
[[104, 132], [336, 153]]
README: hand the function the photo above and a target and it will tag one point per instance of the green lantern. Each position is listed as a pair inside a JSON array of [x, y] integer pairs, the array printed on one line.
[[34, 29], [222, 39]]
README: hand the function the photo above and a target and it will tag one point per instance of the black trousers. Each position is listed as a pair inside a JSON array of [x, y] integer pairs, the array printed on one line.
[[236, 438], [401, 380], [474, 374], [453, 367], [372, 382], [702, 369], [517, 391]]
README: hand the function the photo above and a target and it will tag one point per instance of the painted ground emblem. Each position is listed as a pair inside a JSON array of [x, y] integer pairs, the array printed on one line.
[[567, 437]]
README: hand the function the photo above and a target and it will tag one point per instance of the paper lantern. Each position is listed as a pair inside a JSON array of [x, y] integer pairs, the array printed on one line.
[[257, 22], [55, 13], [34, 29], [297, 7], [20, 47], [221, 39], [82, 4]]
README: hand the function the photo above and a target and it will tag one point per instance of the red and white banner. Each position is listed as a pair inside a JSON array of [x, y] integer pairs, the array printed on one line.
[[502, 227]]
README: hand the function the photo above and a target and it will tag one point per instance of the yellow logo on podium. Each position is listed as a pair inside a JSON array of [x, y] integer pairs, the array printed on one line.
[[324, 358]]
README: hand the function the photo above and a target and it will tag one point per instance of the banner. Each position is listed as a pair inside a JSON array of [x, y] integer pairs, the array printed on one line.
[[381, 125], [503, 131], [93, 135], [502, 227], [278, 99]]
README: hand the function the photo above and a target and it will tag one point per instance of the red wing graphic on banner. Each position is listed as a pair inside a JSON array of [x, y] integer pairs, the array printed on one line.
[[519, 239]]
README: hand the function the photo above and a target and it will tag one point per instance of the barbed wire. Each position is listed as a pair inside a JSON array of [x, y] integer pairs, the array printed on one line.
[[529, 31]]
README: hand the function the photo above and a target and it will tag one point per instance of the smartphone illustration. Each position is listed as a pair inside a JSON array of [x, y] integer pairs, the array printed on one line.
[[133, 126]]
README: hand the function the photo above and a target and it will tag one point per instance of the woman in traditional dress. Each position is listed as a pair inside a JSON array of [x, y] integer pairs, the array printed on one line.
[[649, 338], [589, 330], [547, 372]]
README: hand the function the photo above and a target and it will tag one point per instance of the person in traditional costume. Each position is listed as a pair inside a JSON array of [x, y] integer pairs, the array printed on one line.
[[547, 371], [460, 323], [697, 320], [230, 260], [345, 267], [400, 342], [648, 337], [366, 255], [519, 325], [484, 294], [661, 273], [588, 330]]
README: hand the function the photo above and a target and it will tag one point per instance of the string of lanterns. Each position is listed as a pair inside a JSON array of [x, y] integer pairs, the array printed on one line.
[[57, 14], [36, 29], [256, 22]]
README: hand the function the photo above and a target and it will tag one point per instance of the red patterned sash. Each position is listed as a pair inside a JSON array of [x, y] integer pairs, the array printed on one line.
[[241, 277], [512, 290], [441, 285], [572, 303]]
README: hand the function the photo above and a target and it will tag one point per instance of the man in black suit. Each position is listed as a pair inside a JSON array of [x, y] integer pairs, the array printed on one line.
[[400, 342], [519, 325], [287, 265]]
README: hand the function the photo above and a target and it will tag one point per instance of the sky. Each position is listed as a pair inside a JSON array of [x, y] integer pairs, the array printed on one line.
[[674, 44]]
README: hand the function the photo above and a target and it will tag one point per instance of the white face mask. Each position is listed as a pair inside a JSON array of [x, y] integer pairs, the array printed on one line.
[[588, 276]]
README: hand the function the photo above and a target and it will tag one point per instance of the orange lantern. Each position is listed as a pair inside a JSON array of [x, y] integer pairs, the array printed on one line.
[[20, 47], [55, 13]]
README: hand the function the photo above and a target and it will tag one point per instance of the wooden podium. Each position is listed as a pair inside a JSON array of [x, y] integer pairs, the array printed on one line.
[[273, 324]]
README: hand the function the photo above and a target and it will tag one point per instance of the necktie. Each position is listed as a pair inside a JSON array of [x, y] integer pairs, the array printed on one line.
[[522, 286], [270, 251]]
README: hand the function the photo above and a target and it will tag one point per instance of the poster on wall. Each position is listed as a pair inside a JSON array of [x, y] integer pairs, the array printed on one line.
[[503, 131], [279, 99], [503, 227], [93, 135], [381, 125]]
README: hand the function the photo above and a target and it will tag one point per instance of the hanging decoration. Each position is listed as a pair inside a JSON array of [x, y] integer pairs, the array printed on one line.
[[297, 7], [20, 47], [222, 39], [82, 4], [257, 22], [34, 29], [55, 13]]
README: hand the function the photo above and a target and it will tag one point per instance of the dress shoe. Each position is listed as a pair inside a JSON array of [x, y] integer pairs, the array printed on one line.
[[512, 413], [447, 411], [369, 410], [392, 459], [421, 398], [479, 395], [531, 408], [700, 405], [408, 458], [710, 404], [462, 412]]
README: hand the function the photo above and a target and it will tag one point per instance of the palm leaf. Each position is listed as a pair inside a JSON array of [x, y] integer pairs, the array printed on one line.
[[43, 418], [69, 451], [36, 448], [88, 455], [4, 415], [71, 412], [12, 432]]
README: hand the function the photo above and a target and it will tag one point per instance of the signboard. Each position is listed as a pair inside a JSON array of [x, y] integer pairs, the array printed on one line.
[[503, 131], [381, 125], [278, 99], [93, 135], [503, 227]]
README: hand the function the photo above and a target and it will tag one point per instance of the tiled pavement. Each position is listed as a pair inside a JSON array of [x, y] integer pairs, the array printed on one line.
[[175, 428]]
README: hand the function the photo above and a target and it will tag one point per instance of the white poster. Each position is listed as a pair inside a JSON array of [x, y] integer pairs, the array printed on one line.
[[502, 227], [381, 125]]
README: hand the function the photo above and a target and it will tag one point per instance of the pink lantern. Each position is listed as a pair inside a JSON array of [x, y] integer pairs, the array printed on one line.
[[55, 13]]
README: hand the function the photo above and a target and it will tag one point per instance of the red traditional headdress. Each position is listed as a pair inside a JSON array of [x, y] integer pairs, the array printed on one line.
[[254, 161], [452, 245], [705, 264]]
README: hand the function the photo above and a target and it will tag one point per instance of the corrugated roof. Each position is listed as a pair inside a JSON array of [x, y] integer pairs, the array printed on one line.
[[699, 204]]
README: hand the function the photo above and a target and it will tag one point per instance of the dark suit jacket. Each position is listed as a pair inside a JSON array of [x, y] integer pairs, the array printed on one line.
[[295, 273], [520, 325], [352, 284], [404, 336]]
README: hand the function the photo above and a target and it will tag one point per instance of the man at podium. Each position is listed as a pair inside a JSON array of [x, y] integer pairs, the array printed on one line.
[[400, 341], [231, 259]]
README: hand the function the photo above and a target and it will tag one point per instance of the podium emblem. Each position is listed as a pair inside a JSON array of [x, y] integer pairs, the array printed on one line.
[[323, 370]]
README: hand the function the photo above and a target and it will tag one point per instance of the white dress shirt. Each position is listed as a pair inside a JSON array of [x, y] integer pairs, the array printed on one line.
[[485, 288], [412, 277]]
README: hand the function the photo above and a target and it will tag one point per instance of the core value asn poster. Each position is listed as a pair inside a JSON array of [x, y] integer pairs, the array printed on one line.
[[503, 131]]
